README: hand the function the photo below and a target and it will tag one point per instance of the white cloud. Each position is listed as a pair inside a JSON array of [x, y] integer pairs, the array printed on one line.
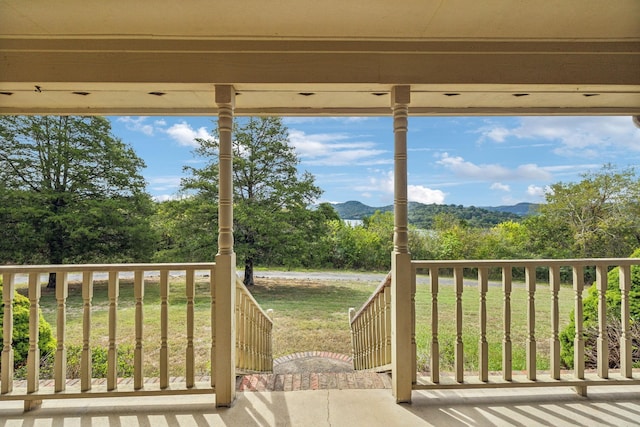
[[335, 149], [185, 135], [500, 186], [137, 124], [491, 172], [577, 136], [536, 191], [422, 194], [382, 184]]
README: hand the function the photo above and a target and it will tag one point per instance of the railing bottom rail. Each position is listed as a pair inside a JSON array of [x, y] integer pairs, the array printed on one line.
[[125, 388], [590, 380]]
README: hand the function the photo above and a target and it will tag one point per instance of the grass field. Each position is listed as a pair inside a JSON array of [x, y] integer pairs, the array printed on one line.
[[309, 315]]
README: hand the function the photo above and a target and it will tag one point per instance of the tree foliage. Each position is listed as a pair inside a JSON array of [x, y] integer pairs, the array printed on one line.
[[272, 221], [70, 192], [601, 213]]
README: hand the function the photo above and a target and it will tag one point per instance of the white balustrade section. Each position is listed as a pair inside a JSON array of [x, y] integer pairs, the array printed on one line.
[[254, 327], [255, 340], [371, 330], [577, 378], [371, 333]]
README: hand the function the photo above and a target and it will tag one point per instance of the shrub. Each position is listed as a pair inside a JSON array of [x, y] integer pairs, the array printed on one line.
[[99, 361], [590, 311], [47, 343]]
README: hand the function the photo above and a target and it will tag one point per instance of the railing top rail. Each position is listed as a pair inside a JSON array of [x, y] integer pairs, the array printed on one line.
[[386, 282], [245, 291], [524, 262], [79, 268]]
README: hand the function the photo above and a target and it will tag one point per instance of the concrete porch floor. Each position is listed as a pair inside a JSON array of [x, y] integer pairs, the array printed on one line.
[[611, 405]]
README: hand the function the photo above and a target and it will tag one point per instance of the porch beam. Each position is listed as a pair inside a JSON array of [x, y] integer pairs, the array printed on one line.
[[225, 271], [402, 354]]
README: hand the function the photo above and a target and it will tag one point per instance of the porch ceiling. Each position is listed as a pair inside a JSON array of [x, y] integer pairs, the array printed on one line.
[[332, 57]]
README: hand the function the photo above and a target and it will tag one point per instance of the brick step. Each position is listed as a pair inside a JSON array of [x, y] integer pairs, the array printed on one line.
[[313, 381]]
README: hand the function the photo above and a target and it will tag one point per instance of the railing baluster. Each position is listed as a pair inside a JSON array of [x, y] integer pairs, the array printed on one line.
[[483, 346], [435, 346], [507, 366], [387, 325], [212, 356], [578, 341], [190, 356], [603, 339], [86, 365], [530, 280], [414, 351], [6, 378], [377, 331], [164, 329], [459, 350], [138, 358], [269, 339], [60, 363], [239, 328], [626, 364], [554, 285], [112, 352], [353, 331], [33, 357]]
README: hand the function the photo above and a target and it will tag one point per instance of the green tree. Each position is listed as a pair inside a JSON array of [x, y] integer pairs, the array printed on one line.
[[187, 229], [271, 199], [601, 212], [71, 192]]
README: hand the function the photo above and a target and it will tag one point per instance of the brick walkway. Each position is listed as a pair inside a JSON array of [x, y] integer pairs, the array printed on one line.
[[313, 370], [313, 381]]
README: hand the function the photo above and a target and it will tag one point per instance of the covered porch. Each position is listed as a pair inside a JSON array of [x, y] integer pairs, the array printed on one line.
[[326, 58], [614, 406]]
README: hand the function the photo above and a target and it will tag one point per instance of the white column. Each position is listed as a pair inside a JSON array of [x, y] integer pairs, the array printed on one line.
[[225, 271], [402, 353]]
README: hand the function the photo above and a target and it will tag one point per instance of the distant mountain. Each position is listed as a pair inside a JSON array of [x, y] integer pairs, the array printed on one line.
[[422, 215], [522, 209]]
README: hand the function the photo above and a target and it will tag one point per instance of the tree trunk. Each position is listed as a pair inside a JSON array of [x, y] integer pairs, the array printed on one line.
[[55, 241], [52, 281], [248, 272]]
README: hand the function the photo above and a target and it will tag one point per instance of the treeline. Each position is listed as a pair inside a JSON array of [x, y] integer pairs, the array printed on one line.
[[423, 216], [71, 192]]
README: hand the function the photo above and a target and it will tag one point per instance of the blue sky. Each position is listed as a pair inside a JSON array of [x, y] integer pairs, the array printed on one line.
[[480, 161]]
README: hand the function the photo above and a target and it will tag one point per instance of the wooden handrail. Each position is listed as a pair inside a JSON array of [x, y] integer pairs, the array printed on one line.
[[254, 326], [371, 330]]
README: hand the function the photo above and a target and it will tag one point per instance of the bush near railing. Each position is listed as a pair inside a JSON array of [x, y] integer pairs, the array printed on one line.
[[46, 343], [614, 328]]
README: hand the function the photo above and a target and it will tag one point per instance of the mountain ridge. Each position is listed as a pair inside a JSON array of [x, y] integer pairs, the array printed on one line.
[[422, 215]]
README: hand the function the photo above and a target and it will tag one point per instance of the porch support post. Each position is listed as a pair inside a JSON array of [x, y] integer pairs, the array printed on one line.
[[402, 317], [225, 272]]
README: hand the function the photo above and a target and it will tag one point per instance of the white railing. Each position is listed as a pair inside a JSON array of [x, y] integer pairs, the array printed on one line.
[[578, 378], [254, 327], [139, 274], [371, 330]]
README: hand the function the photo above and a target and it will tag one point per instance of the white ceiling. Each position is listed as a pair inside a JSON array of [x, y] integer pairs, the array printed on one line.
[[327, 57]]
